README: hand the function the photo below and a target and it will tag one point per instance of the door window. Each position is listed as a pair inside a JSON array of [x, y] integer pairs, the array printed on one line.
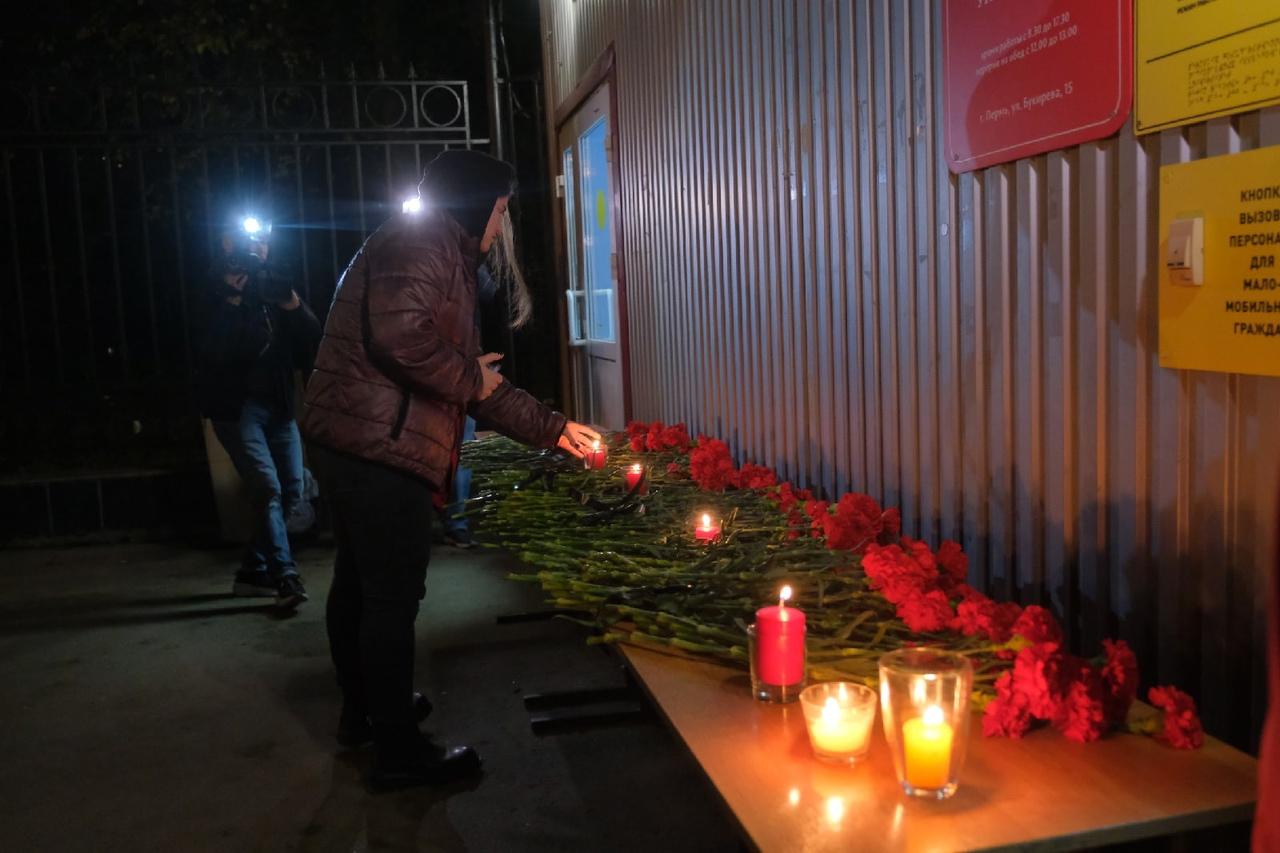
[[597, 232]]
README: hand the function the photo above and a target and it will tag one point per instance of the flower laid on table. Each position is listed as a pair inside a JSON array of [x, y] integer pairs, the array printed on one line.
[[870, 589]]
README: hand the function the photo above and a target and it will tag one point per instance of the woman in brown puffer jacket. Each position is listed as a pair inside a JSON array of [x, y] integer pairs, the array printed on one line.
[[398, 370]]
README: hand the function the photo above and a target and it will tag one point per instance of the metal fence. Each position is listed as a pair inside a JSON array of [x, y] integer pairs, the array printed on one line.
[[808, 280], [115, 198]]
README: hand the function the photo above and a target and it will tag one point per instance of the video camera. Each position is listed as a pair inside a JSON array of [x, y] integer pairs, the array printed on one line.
[[243, 260]]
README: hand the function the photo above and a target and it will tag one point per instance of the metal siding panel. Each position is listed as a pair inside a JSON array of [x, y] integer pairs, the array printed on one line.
[[808, 280]]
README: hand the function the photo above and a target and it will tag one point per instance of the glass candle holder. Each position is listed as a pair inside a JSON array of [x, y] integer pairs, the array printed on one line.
[[778, 664], [924, 696], [595, 456], [839, 716]]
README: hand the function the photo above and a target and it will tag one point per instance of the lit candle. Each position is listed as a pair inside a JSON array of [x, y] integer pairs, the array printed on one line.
[[708, 528], [780, 642], [927, 749], [596, 456], [839, 717], [635, 476]]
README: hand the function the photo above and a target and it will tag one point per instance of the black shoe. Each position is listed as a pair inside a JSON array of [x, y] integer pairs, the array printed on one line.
[[439, 767], [356, 730], [459, 538], [290, 592], [249, 584]]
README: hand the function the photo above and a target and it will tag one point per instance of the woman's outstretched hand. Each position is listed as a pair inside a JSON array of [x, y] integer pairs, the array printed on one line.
[[576, 438], [489, 376]]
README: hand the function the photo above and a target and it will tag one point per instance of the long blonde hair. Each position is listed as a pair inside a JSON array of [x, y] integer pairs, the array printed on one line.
[[506, 270]]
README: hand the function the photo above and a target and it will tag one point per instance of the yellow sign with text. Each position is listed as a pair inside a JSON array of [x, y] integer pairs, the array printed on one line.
[[1219, 278], [1197, 59]]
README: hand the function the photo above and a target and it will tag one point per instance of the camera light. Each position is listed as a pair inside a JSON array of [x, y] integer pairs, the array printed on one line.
[[252, 225], [412, 204]]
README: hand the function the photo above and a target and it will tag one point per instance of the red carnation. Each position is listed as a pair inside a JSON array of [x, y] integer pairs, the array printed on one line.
[[902, 571], [978, 615], [953, 562], [1037, 677], [890, 526], [857, 521], [1120, 674], [1082, 713], [1007, 714], [1037, 625], [926, 612], [711, 466], [753, 476], [1182, 729]]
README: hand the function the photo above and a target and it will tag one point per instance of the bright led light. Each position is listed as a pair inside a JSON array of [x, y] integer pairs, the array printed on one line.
[[413, 204], [252, 225]]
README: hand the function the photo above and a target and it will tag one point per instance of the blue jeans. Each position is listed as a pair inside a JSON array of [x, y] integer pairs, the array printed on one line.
[[266, 449], [454, 521]]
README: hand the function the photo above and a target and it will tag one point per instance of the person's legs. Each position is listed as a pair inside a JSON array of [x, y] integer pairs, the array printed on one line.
[[251, 579], [342, 618], [457, 530], [257, 431]]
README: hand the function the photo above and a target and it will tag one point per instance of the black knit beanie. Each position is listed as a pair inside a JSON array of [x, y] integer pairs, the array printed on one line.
[[465, 184]]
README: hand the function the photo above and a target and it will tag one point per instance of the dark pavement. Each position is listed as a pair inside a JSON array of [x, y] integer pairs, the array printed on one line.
[[145, 709]]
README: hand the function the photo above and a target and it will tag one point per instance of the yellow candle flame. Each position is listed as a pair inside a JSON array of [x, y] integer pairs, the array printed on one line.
[[835, 809], [784, 596], [595, 444], [793, 796], [706, 520], [831, 711], [933, 716], [636, 469]]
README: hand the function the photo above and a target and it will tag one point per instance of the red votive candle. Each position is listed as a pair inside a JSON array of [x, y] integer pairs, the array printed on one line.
[[780, 642], [635, 474], [596, 456], [708, 529]]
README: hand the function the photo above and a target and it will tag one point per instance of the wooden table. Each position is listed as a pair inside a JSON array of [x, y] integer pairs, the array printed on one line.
[[1042, 791]]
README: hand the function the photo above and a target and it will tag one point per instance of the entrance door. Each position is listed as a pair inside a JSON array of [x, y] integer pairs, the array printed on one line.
[[594, 334]]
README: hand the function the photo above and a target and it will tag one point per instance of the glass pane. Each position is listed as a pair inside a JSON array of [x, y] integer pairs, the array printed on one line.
[[571, 247], [597, 232]]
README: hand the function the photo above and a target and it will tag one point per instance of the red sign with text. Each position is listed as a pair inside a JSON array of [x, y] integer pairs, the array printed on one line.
[[1027, 76]]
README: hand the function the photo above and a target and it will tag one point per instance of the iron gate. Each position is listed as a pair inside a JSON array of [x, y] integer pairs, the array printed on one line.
[[115, 198]]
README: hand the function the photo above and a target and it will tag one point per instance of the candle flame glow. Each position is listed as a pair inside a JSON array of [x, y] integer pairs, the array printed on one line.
[[933, 716], [784, 595], [793, 796], [831, 711], [636, 469], [706, 520], [595, 444], [835, 809]]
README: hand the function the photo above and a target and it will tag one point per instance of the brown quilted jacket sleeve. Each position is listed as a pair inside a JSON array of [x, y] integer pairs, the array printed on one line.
[[403, 301], [518, 415]]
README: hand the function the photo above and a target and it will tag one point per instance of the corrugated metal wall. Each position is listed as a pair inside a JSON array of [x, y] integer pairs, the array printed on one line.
[[807, 279]]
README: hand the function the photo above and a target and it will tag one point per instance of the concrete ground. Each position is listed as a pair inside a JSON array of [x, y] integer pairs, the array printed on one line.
[[145, 709]]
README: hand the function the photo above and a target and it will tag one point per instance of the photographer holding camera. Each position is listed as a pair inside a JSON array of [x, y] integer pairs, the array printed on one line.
[[258, 333]]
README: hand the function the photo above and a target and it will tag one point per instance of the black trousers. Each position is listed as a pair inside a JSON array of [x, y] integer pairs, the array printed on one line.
[[382, 526]]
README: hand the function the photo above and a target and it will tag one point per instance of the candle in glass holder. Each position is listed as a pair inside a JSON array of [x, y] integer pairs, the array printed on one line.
[[596, 456], [924, 696], [839, 716], [635, 476], [926, 743], [708, 529], [777, 651]]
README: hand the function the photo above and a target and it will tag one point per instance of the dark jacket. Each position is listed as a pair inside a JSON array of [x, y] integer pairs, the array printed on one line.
[[397, 366], [251, 350]]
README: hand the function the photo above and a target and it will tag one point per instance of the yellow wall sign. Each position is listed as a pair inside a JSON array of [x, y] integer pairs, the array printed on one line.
[[1197, 59], [1229, 322]]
